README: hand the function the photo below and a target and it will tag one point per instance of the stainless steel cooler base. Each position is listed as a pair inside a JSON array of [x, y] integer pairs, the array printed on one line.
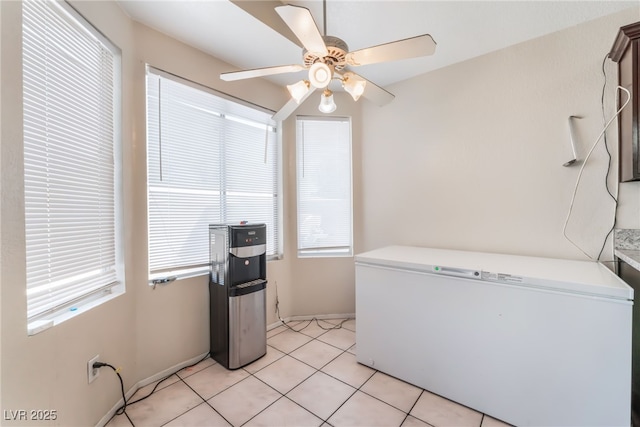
[[247, 328], [237, 293]]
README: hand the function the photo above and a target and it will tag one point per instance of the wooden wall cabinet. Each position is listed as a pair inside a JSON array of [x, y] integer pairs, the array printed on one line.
[[626, 52]]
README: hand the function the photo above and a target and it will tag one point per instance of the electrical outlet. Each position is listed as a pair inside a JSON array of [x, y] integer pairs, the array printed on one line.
[[92, 373]]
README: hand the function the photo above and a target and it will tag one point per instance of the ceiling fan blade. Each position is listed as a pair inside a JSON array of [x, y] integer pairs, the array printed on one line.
[[265, 12], [290, 107], [401, 49], [260, 72], [301, 22], [376, 94]]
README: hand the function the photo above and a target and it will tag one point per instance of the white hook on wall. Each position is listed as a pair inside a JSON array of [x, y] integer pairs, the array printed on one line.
[[573, 142]]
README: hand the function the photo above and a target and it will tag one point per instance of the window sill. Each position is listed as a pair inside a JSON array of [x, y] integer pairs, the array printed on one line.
[[305, 255], [42, 324], [168, 277]]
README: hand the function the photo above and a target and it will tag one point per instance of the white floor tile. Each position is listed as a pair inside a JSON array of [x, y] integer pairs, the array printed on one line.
[[288, 341], [276, 331], [241, 402], [201, 415], [439, 411], [345, 368], [316, 353], [487, 421], [341, 338], [364, 410], [214, 379], [321, 394], [285, 373], [164, 405], [395, 392], [284, 413], [414, 422]]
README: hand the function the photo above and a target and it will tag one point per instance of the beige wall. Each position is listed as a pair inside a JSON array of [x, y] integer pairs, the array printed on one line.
[[466, 157], [472, 154]]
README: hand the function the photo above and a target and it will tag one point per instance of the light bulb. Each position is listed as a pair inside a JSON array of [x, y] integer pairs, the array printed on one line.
[[320, 75], [298, 90], [327, 105]]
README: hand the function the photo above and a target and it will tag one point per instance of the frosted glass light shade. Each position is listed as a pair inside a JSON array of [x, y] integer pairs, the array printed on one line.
[[298, 90], [353, 84], [327, 104]]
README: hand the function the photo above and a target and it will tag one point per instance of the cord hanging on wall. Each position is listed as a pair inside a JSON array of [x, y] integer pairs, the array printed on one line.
[[573, 141], [586, 159]]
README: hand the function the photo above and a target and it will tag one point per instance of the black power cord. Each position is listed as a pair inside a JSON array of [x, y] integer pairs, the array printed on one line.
[[606, 146], [166, 378], [122, 410], [338, 326], [310, 321]]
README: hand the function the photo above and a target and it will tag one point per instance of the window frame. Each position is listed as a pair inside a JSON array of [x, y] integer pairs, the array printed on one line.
[[346, 250], [160, 275], [89, 298]]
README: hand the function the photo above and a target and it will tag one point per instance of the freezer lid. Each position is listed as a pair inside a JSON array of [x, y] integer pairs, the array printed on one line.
[[583, 277]]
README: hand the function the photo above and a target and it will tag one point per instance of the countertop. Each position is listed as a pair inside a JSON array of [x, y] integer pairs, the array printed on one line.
[[627, 246], [630, 256]]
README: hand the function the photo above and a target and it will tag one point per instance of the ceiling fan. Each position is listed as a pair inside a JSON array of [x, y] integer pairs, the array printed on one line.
[[326, 57]]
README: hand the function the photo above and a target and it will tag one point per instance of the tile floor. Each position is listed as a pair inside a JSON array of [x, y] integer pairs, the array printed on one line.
[[307, 378]]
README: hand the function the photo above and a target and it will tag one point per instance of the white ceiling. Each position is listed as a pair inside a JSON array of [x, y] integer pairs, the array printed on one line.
[[461, 29]]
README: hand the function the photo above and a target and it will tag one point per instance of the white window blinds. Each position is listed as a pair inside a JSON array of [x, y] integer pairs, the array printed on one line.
[[69, 91], [210, 160], [323, 152]]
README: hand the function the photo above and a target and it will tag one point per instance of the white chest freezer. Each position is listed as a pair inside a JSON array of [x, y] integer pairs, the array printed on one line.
[[530, 341]]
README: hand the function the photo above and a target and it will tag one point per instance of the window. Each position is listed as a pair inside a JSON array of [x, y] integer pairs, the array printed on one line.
[[70, 92], [211, 160], [323, 152]]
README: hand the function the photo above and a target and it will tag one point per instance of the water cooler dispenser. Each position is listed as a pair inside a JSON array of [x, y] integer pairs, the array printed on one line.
[[237, 290]]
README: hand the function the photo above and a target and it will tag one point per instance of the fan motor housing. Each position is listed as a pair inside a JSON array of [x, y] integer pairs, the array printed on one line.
[[337, 53]]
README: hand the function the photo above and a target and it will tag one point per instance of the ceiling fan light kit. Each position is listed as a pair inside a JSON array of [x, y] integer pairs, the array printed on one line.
[[325, 57]]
